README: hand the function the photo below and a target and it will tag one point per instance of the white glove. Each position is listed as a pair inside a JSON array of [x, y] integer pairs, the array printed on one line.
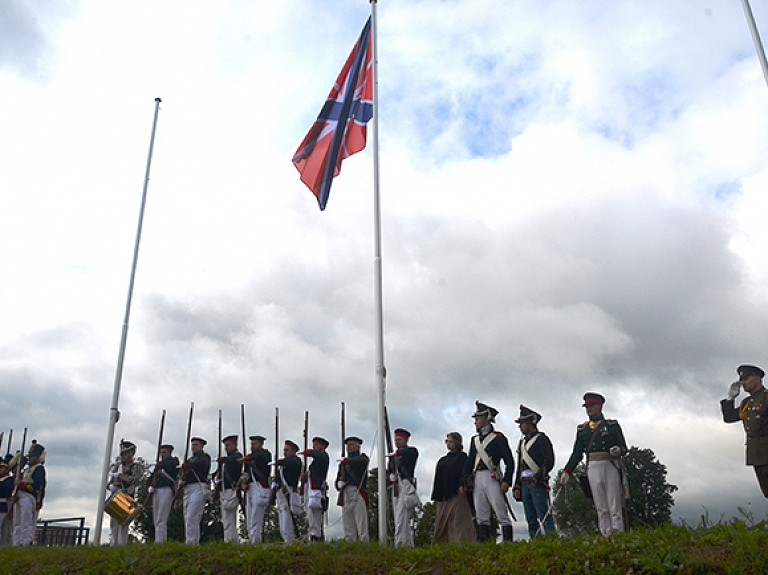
[[340, 485], [272, 463], [392, 477], [115, 475], [565, 478], [734, 390], [216, 481], [275, 485], [615, 451], [150, 489]]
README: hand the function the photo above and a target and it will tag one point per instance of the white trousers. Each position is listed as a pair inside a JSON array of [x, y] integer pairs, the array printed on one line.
[[605, 481], [229, 514], [162, 501], [194, 505], [314, 516], [24, 519], [402, 508], [6, 531], [355, 515], [257, 497], [488, 496], [118, 533], [287, 521]]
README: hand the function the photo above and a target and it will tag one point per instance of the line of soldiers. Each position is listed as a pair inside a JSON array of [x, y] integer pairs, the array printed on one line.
[[22, 491], [463, 482]]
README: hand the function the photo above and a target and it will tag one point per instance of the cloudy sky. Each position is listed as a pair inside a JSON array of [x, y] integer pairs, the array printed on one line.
[[573, 199]]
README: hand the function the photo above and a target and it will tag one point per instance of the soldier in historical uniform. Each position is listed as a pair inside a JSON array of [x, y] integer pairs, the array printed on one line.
[[126, 475], [6, 491], [315, 487], [402, 475], [535, 459], [30, 493], [230, 468], [163, 489], [483, 470], [753, 413], [603, 443], [254, 482], [453, 515], [351, 480], [287, 485], [197, 489]]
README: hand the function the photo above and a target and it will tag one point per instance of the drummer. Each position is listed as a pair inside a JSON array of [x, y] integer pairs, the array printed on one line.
[[125, 477]]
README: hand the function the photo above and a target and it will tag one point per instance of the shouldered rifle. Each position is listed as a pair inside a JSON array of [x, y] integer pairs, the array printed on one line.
[[240, 493], [275, 477], [304, 477], [182, 476], [156, 473], [343, 469], [10, 441], [392, 467], [219, 477], [17, 477]]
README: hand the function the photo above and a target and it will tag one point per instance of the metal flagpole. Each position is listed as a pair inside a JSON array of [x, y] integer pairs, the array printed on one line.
[[114, 414], [756, 38], [380, 370]]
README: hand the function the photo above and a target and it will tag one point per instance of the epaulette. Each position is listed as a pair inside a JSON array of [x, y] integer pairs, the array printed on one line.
[[611, 422], [498, 433], [582, 426]]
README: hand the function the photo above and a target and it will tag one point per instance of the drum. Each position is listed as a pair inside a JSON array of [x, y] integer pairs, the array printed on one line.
[[122, 507]]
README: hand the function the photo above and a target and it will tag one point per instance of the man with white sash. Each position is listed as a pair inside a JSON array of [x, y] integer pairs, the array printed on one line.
[[254, 482], [288, 496], [227, 477], [536, 458], [197, 489], [315, 487], [30, 492], [402, 471], [483, 469], [163, 491]]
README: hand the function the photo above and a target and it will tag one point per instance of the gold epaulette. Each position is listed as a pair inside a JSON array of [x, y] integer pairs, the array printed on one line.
[[582, 426]]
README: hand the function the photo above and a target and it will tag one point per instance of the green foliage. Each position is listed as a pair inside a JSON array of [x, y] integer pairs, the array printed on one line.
[[650, 496], [732, 547]]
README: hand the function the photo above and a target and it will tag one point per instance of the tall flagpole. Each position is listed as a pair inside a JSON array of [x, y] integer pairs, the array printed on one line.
[[756, 38], [114, 414], [378, 299]]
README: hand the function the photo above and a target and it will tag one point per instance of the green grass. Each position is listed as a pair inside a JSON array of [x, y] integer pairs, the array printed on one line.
[[727, 548]]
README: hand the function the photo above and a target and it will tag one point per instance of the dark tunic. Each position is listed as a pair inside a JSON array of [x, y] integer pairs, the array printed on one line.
[[318, 469], [543, 455], [167, 472], [448, 472], [230, 470], [290, 468], [35, 482], [753, 413], [607, 433], [256, 467], [197, 468], [6, 488], [498, 450], [353, 470], [404, 461]]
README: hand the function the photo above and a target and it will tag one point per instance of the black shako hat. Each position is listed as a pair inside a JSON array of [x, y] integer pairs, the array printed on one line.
[[126, 446], [36, 450], [230, 438], [322, 440], [528, 416], [292, 445], [591, 397], [481, 409], [748, 370]]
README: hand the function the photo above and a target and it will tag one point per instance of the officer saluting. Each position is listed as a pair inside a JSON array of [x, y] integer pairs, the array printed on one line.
[[489, 448], [603, 442], [753, 413]]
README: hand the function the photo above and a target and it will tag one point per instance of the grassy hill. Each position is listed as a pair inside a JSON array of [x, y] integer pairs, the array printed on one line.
[[728, 548]]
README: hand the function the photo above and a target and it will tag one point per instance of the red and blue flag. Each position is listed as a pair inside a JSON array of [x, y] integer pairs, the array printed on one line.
[[340, 128]]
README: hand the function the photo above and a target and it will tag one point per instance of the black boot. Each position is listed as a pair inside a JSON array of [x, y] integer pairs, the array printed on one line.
[[506, 532], [483, 533]]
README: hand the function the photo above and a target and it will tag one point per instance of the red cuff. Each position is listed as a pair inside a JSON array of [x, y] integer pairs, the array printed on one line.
[[568, 470], [22, 485]]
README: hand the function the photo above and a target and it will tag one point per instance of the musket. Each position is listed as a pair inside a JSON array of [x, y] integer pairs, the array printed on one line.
[[10, 441], [343, 471], [156, 473], [219, 474], [273, 492], [392, 467], [16, 477], [306, 446], [180, 482], [240, 493]]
